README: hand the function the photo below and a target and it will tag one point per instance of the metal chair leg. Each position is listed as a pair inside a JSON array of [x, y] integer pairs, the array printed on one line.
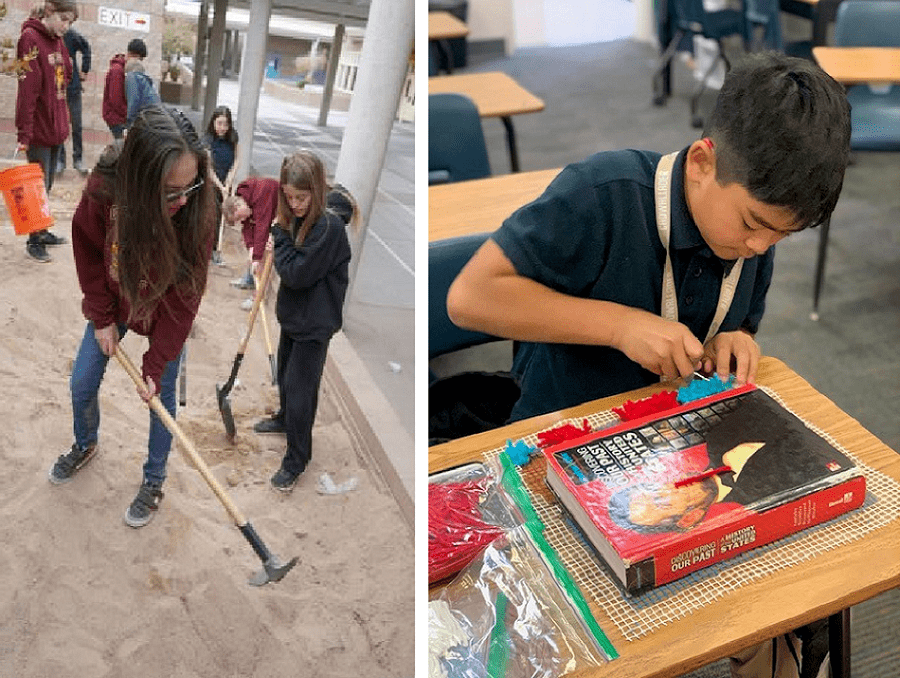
[[839, 643], [820, 267]]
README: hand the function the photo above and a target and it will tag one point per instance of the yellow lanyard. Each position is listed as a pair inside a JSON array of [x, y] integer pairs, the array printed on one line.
[[669, 310]]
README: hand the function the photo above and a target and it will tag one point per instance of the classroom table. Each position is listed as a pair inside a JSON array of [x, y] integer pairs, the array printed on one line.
[[496, 95], [856, 65], [785, 599], [481, 205], [443, 27]]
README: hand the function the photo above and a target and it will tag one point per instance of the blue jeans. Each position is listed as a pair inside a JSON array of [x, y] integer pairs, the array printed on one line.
[[46, 157], [87, 373]]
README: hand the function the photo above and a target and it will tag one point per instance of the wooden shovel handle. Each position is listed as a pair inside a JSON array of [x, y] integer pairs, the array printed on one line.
[[268, 260], [186, 445]]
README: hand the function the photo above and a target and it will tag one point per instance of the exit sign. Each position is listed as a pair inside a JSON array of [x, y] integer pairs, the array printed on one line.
[[123, 18]]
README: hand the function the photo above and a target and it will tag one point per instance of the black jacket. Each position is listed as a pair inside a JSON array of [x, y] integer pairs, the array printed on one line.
[[75, 43], [315, 274]]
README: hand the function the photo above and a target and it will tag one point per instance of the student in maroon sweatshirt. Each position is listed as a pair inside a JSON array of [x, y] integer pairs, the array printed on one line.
[[254, 206], [142, 237], [42, 113], [115, 104]]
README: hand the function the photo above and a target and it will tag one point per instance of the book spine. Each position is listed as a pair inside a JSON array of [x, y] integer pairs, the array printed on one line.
[[759, 529]]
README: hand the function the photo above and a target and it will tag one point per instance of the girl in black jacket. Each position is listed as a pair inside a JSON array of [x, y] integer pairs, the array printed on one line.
[[312, 256]]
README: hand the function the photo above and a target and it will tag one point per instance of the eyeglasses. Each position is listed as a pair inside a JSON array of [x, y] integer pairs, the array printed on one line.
[[186, 193]]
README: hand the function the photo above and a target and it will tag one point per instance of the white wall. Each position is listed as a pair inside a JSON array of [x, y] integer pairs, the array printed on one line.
[[492, 20], [533, 23]]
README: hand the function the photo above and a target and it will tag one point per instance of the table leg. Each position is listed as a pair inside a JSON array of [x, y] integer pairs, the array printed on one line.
[[511, 142], [825, 13], [839, 643], [820, 266]]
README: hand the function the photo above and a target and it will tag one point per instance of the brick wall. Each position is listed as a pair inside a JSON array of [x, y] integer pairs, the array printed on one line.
[[105, 41]]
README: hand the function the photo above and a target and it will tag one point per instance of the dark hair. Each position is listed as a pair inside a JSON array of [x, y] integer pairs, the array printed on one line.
[[156, 250], [137, 46], [55, 6], [302, 170], [781, 129], [231, 135]]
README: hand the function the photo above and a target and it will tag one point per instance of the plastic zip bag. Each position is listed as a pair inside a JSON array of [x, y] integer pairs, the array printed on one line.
[[505, 615]]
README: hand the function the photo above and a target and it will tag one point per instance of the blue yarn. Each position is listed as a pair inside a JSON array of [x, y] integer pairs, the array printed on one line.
[[699, 388], [519, 452]]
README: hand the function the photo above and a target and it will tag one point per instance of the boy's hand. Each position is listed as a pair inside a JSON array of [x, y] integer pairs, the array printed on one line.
[[732, 351], [662, 346]]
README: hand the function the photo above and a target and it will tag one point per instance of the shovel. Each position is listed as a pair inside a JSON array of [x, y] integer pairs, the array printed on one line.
[[223, 390], [265, 324], [273, 568]]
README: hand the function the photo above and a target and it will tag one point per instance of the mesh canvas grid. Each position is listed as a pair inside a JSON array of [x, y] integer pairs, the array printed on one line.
[[641, 614]]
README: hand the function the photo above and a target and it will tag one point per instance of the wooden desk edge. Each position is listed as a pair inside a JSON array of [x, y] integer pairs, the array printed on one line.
[[651, 652]]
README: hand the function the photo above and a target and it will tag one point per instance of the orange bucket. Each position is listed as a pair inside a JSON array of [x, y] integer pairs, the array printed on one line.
[[26, 198]]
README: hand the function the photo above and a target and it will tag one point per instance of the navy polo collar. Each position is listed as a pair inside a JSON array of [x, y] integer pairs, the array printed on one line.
[[685, 234]]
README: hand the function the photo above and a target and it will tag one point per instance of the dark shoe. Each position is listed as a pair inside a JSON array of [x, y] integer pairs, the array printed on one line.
[[217, 258], [37, 251], [69, 464], [244, 283], [79, 167], [48, 238], [284, 481], [270, 425], [145, 503]]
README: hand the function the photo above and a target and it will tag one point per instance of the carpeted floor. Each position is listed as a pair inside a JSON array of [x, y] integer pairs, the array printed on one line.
[[598, 97]]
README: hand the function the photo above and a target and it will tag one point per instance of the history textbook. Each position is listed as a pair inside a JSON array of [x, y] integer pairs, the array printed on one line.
[[663, 496]]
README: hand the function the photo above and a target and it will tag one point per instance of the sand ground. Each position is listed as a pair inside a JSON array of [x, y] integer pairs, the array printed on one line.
[[82, 594]]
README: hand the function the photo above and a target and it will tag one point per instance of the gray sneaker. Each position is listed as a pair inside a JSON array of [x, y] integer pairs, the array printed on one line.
[[70, 463], [145, 503]]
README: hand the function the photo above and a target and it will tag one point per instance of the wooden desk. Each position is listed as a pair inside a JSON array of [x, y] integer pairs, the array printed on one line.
[[772, 605], [855, 65], [445, 26], [496, 95], [481, 205]]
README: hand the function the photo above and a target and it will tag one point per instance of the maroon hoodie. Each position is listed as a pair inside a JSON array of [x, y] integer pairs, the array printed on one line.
[[115, 107], [261, 196], [95, 245], [42, 114]]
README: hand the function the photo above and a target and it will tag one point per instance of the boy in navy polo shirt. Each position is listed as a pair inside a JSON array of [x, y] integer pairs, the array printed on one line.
[[631, 267], [578, 275]]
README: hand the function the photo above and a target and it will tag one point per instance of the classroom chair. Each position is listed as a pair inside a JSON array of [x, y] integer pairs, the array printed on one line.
[[456, 147], [875, 113], [464, 402], [445, 260], [686, 19]]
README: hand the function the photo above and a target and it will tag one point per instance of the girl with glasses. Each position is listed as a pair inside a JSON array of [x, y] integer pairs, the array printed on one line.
[[312, 256], [142, 236]]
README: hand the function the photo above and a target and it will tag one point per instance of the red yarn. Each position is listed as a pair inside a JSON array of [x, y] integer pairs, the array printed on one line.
[[456, 531], [561, 433], [658, 402]]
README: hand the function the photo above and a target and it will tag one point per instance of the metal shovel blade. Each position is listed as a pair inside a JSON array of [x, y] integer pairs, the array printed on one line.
[[273, 570], [225, 410]]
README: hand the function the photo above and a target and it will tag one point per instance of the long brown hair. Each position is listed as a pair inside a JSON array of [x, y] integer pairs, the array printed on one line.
[[155, 250], [304, 171]]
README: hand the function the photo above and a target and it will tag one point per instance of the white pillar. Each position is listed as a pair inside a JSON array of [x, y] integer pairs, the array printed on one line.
[[253, 63], [373, 106], [334, 56]]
